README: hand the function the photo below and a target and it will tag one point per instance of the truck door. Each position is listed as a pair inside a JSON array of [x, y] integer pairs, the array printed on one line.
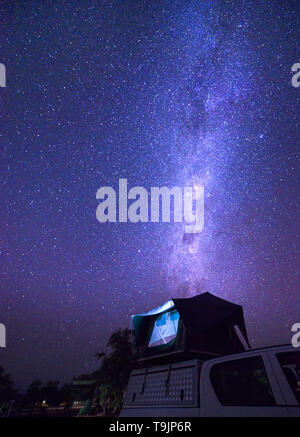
[[286, 365], [241, 387]]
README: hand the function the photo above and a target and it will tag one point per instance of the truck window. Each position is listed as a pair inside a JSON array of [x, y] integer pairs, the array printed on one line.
[[242, 382], [290, 364]]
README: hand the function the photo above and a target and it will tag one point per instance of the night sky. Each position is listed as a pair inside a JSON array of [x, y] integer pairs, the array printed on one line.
[[161, 93]]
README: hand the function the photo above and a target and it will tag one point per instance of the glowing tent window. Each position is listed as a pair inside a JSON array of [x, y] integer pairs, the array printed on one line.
[[165, 328]]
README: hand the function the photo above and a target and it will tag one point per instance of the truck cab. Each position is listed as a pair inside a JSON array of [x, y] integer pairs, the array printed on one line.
[[259, 382]]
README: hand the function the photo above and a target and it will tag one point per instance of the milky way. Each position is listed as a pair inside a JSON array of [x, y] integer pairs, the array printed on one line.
[[163, 93]]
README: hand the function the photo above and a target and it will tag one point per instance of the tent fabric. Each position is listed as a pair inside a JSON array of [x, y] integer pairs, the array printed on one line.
[[204, 311], [206, 323]]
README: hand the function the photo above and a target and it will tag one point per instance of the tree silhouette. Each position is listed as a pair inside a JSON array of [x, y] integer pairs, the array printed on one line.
[[34, 393], [7, 391], [118, 361], [51, 393], [68, 393]]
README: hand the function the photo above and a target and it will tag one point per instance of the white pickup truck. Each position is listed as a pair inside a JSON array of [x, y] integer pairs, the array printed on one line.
[[259, 382]]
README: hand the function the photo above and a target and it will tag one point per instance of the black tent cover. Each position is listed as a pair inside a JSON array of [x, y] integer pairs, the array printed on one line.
[[206, 325]]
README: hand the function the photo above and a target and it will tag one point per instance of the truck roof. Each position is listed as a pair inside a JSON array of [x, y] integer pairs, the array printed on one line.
[[278, 347]]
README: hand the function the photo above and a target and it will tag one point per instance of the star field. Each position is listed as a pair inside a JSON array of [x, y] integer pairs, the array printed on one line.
[[161, 93]]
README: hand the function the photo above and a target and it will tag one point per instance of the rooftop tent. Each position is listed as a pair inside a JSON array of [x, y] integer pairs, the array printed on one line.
[[203, 324]]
